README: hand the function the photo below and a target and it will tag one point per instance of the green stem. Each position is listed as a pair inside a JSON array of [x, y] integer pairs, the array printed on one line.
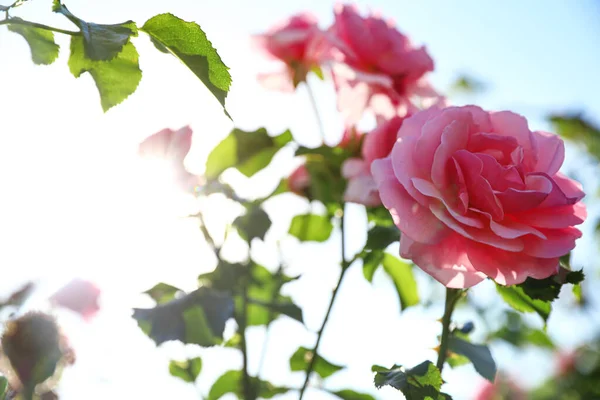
[[18, 21], [345, 264], [270, 318], [247, 388], [452, 296], [313, 103]]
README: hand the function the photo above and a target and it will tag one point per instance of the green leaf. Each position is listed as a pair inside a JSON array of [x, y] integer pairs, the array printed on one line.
[[468, 84], [163, 293], [230, 382], [3, 387], [188, 42], [302, 357], [286, 308], [576, 128], [101, 42], [421, 382], [371, 261], [196, 318], [324, 167], [311, 227], [519, 334], [187, 370], [348, 394], [480, 356], [248, 152], [254, 224], [404, 281], [115, 79], [515, 297], [456, 360], [44, 50], [380, 237], [380, 216]]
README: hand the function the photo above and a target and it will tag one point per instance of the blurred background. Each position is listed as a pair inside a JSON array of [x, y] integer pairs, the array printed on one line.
[[77, 202]]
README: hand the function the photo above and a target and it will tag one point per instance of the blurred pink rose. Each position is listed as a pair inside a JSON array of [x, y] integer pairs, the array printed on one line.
[[299, 180], [299, 43], [79, 296], [351, 139], [502, 389], [378, 143], [565, 362], [172, 146], [478, 194], [381, 69]]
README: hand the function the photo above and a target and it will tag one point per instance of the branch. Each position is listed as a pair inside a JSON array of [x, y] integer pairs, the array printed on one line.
[[452, 296], [345, 265], [18, 21]]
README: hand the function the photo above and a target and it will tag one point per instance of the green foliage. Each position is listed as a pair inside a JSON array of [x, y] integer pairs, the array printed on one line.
[[421, 382], [516, 297], [187, 370], [188, 42], [380, 237], [478, 354], [115, 79], [253, 224], [3, 387], [380, 216], [576, 128], [162, 292], [517, 333], [303, 356], [404, 281], [549, 288], [311, 227], [248, 152], [44, 50], [371, 261], [324, 167], [230, 382], [101, 42], [196, 318], [467, 84], [348, 394]]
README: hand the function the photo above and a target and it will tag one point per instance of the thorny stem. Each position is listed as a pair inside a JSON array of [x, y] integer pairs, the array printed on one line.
[[345, 265], [452, 297], [18, 21]]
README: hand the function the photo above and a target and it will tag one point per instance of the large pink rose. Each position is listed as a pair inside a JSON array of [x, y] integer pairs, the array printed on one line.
[[378, 143], [478, 194], [172, 146], [299, 43], [385, 70]]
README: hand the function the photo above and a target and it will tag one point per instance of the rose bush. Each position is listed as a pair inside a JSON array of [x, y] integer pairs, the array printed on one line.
[[477, 194]]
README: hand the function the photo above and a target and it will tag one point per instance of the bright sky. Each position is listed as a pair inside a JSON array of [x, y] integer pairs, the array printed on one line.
[[76, 201]]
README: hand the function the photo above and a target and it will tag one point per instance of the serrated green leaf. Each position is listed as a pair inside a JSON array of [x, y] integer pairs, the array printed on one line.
[[404, 281], [187, 370], [421, 382], [254, 224], [162, 292], [348, 394], [380, 237], [248, 152], [515, 297], [311, 227], [115, 79], [302, 357], [44, 50], [480, 356], [101, 42], [188, 42]]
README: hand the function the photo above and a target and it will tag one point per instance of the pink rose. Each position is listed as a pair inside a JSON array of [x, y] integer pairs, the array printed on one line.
[[378, 143], [172, 146], [299, 43], [501, 389], [79, 296], [299, 180], [385, 70], [478, 194]]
